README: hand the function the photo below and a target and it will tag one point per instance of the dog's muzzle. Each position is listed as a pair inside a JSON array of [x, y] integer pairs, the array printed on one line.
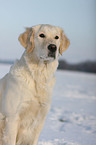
[[52, 50]]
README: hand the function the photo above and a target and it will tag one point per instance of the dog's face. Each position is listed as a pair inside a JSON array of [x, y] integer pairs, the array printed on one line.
[[44, 41]]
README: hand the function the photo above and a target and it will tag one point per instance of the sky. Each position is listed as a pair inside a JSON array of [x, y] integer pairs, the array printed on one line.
[[76, 17]]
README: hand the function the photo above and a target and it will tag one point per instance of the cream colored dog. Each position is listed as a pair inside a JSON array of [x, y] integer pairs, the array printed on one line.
[[25, 92]]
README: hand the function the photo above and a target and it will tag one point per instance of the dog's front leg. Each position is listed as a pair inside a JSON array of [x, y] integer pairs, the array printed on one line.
[[10, 132], [38, 123]]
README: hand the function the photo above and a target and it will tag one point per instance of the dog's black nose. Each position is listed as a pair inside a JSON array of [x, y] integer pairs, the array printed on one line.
[[52, 47]]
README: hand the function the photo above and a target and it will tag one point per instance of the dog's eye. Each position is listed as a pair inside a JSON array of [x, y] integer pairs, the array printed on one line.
[[42, 35], [56, 37]]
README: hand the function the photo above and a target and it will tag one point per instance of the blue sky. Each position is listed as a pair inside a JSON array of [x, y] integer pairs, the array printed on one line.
[[76, 17]]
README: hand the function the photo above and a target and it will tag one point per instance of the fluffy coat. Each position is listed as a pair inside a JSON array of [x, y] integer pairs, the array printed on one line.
[[25, 95]]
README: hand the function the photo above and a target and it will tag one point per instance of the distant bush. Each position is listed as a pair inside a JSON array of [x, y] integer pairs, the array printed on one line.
[[88, 66], [6, 61]]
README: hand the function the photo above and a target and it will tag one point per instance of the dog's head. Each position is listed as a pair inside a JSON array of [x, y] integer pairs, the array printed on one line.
[[44, 41]]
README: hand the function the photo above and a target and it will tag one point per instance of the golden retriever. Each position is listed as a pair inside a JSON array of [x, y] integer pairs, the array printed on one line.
[[25, 92]]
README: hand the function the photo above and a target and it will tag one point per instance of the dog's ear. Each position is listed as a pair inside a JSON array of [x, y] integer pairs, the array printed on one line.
[[64, 44], [27, 39]]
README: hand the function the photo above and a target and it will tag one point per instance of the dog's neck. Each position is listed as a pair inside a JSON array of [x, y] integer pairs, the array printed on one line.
[[39, 67], [37, 70]]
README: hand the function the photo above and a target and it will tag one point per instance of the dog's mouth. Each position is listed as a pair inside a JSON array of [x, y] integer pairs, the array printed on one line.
[[52, 55], [47, 58]]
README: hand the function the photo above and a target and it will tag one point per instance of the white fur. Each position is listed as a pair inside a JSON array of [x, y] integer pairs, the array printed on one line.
[[25, 92]]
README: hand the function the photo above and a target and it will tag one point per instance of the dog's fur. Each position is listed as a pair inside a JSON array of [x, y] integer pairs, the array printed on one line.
[[25, 92]]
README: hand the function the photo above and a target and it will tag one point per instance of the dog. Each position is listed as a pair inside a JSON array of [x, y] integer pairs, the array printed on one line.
[[25, 92]]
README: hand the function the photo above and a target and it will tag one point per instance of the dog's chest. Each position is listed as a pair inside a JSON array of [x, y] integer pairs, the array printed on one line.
[[38, 86]]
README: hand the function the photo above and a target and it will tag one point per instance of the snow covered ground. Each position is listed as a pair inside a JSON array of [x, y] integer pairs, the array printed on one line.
[[72, 118]]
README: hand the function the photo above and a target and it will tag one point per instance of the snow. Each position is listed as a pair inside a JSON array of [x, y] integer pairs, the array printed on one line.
[[72, 117]]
